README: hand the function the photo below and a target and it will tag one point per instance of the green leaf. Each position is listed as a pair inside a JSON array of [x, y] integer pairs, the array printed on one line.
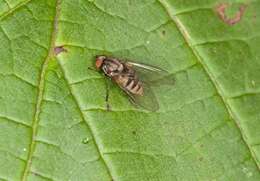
[[53, 121]]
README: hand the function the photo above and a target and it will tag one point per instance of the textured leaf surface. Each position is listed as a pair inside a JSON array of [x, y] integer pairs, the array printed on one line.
[[53, 121]]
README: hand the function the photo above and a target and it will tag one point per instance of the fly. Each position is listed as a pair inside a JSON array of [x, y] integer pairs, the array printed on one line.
[[134, 79]]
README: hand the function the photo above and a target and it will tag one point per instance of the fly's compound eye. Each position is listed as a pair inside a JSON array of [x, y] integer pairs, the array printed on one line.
[[99, 61]]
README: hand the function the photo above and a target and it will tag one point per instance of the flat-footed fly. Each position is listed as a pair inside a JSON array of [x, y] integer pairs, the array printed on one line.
[[134, 79]]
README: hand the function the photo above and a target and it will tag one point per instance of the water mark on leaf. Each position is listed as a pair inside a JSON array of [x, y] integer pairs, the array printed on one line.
[[59, 49], [221, 11], [85, 140], [247, 172]]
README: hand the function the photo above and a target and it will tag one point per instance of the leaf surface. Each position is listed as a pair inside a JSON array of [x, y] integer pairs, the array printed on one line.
[[53, 119]]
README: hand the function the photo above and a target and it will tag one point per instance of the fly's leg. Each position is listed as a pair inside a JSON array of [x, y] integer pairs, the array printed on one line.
[[107, 100], [107, 95], [107, 90]]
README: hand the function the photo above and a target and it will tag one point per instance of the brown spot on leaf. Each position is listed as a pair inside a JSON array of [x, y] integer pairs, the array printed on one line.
[[220, 9], [59, 49]]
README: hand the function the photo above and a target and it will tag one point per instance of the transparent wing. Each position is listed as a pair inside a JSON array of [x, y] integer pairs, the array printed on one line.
[[151, 74], [147, 101]]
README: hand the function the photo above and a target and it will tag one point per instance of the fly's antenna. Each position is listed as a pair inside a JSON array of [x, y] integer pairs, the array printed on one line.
[[91, 68]]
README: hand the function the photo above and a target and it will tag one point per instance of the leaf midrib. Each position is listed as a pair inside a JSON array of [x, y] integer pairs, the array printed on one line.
[[50, 55], [181, 28], [41, 91]]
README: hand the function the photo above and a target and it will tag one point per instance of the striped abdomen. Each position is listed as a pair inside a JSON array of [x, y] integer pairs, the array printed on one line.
[[132, 85]]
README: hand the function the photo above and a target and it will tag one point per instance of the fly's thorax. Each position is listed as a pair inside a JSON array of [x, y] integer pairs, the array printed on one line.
[[112, 67]]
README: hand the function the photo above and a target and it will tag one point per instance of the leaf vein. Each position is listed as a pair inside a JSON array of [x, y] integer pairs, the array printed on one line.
[[12, 155], [14, 121], [152, 155], [41, 176], [8, 13]]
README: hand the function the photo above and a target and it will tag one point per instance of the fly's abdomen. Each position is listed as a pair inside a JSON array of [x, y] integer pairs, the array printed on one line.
[[132, 85]]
